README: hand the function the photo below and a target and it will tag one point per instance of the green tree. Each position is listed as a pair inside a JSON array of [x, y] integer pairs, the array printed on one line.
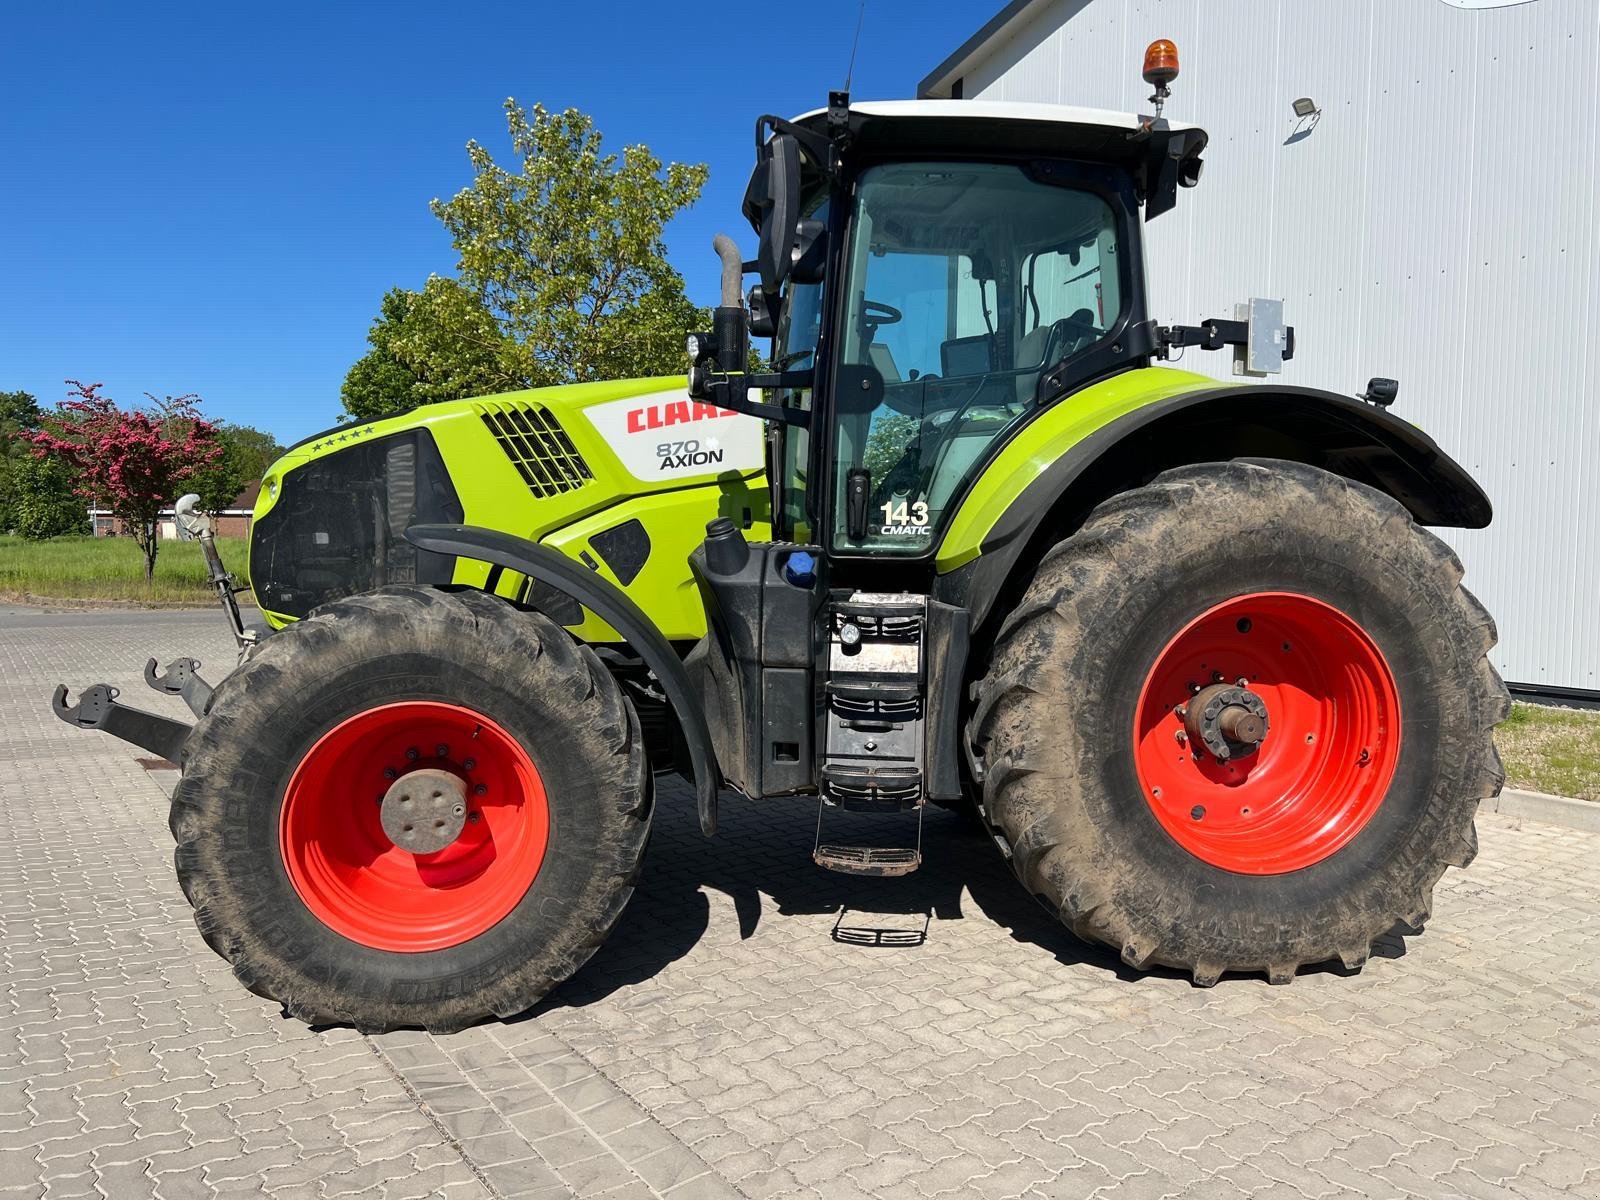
[[45, 505], [36, 499], [436, 344], [561, 275], [19, 412]]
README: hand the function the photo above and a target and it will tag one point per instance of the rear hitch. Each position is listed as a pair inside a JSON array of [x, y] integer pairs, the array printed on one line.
[[97, 708]]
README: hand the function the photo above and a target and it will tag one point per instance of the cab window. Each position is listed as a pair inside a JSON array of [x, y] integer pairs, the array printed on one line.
[[965, 283]]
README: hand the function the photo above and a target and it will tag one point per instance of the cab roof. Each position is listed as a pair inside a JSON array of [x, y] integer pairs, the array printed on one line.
[[1048, 130]]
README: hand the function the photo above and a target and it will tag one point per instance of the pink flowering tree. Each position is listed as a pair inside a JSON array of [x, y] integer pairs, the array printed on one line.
[[132, 461]]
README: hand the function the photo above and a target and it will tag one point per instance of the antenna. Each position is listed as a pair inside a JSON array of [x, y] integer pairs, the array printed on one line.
[[850, 71]]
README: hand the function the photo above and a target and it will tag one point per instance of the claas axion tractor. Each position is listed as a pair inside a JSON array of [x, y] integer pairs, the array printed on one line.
[[1182, 646]]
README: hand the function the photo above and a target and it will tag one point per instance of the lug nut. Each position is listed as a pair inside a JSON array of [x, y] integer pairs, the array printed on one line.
[[412, 755], [481, 789], [1181, 736], [469, 764], [390, 773], [441, 751], [474, 817]]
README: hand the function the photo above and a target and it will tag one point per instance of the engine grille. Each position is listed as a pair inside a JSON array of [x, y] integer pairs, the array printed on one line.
[[538, 447]]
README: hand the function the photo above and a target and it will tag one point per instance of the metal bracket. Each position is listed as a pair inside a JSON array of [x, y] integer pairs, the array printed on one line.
[[97, 708], [181, 678], [1263, 342]]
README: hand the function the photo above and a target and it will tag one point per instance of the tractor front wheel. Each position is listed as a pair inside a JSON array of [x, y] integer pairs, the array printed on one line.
[[1240, 721], [413, 808]]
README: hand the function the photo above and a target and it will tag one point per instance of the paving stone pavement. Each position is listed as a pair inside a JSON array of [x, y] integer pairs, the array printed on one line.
[[737, 1037]]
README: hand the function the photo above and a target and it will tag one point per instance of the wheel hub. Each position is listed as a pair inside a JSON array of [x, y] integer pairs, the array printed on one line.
[[424, 811], [1229, 720]]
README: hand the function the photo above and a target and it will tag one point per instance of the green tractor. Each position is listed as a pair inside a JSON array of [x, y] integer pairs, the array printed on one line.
[[1182, 647]]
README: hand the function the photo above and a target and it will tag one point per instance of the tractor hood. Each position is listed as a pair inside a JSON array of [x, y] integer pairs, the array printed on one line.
[[333, 511]]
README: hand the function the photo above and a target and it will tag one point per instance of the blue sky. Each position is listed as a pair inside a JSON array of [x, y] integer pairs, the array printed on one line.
[[213, 198]]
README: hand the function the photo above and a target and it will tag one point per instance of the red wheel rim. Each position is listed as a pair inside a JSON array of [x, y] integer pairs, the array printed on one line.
[[358, 882], [1329, 753]]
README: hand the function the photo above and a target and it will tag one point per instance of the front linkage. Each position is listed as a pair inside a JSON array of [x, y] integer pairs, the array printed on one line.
[[98, 706]]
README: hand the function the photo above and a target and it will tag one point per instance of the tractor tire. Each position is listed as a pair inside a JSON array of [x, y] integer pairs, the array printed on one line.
[[414, 808], [1277, 592]]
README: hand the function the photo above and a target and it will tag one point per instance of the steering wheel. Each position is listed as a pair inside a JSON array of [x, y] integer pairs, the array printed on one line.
[[878, 314]]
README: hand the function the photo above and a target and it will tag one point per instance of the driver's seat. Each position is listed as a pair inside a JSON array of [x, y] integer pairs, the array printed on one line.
[[1044, 347]]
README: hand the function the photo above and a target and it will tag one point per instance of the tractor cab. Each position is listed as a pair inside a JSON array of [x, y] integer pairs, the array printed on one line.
[[932, 273], [970, 263]]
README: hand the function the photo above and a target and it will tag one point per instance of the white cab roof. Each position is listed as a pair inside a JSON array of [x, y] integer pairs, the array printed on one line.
[[994, 110]]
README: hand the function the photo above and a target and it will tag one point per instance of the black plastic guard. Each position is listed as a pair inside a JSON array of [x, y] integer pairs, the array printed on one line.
[[613, 607]]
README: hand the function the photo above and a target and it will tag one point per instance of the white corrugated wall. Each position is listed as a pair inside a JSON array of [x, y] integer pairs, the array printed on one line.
[[1438, 224]]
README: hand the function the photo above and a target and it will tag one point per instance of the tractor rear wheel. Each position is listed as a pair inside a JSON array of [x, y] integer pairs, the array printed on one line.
[[1240, 721], [412, 808]]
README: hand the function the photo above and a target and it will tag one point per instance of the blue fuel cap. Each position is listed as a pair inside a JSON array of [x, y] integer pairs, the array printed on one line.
[[800, 569]]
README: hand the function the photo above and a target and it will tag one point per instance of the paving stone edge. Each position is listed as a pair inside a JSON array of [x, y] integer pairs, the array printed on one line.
[[1582, 815]]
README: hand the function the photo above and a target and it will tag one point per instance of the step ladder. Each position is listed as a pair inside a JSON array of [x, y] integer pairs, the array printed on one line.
[[876, 861]]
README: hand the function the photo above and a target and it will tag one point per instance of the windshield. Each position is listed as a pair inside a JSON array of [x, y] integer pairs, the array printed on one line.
[[966, 282]]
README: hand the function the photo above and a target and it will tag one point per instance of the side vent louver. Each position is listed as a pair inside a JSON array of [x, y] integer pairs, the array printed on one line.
[[538, 447]]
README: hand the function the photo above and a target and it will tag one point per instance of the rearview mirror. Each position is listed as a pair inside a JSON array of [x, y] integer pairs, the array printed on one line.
[[772, 201]]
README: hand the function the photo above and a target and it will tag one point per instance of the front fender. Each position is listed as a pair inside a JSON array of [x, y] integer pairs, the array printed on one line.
[[611, 605]]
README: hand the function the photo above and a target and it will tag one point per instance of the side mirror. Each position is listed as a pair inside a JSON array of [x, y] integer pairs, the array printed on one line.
[[772, 202]]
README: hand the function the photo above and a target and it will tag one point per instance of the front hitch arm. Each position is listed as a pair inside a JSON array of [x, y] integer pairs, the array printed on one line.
[[97, 708], [181, 678]]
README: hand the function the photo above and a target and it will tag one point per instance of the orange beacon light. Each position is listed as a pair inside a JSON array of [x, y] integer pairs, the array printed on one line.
[[1160, 69]]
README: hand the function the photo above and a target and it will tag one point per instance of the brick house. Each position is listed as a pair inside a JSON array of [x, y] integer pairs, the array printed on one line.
[[233, 521]]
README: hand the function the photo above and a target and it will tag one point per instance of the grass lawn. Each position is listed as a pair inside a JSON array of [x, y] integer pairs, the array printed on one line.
[[1555, 750], [85, 568]]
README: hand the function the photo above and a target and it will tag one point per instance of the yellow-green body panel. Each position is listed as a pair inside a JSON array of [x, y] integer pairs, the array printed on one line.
[[616, 438], [1043, 440], [619, 426]]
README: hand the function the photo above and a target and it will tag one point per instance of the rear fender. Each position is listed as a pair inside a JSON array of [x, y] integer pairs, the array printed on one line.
[[1203, 424], [609, 603]]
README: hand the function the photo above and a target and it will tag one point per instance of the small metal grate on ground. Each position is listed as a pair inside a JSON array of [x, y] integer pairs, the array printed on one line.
[[538, 447]]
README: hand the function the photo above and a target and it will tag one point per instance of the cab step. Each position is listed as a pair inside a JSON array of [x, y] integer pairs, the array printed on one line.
[[865, 860], [868, 860]]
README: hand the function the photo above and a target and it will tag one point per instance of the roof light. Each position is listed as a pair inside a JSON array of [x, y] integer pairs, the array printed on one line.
[[1160, 63]]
